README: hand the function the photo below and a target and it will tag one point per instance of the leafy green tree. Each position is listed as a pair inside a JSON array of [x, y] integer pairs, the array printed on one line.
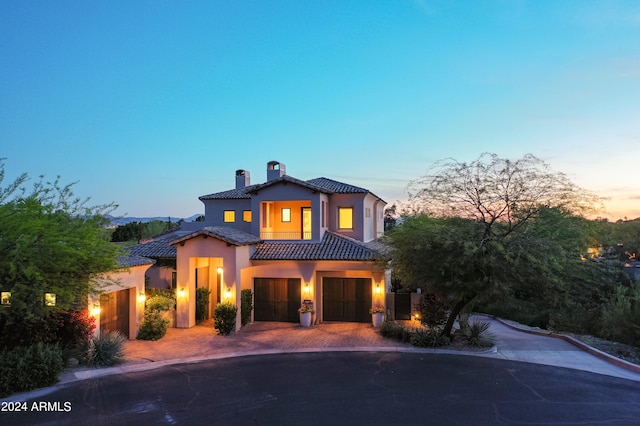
[[50, 242], [132, 231], [471, 235]]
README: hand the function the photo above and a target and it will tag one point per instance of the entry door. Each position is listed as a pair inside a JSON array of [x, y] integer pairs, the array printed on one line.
[[276, 299], [114, 312], [346, 299]]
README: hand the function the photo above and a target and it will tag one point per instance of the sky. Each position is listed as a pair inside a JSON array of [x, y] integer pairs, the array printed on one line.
[[151, 104]]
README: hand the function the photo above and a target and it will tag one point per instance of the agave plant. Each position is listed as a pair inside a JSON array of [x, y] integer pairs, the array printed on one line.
[[477, 335]]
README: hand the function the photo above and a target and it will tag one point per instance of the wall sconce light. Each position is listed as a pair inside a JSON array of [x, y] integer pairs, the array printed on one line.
[[95, 310], [306, 287], [219, 269], [227, 293], [182, 292], [142, 297], [378, 290]]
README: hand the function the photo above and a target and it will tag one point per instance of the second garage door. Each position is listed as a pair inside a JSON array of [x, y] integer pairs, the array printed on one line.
[[346, 299], [114, 312], [276, 299]]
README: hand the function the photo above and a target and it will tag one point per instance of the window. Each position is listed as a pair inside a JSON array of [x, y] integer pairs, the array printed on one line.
[[246, 215], [229, 216], [6, 297], [367, 212], [286, 215], [49, 299], [322, 215], [345, 217]]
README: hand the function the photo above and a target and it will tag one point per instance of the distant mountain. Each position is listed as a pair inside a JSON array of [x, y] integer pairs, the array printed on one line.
[[118, 221]]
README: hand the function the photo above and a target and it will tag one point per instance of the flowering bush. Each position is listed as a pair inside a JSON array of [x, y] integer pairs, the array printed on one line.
[[377, 310], [304, 309]]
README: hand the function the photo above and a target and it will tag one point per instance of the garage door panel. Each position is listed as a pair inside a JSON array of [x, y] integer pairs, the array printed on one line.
[[346, 299], [276, 299], [114, 312]]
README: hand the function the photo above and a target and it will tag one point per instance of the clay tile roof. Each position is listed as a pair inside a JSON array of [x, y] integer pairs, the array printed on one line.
[[158, 248], [288, 179], [223, 233], [128, 261], [320, 184], [337, 187], [331, 247], [230, 194]]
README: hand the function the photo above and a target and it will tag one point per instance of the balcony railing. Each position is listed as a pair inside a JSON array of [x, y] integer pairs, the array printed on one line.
[[285, 235]]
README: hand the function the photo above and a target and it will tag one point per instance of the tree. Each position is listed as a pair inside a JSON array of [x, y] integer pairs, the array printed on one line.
[[390, 217], [470, 227], [50, 242]]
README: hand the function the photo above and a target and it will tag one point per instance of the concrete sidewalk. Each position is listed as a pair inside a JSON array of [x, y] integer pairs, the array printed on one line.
[[542, 347], [202, 343]]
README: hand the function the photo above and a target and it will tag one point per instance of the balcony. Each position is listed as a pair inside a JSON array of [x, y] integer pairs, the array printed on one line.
[[272, 235]]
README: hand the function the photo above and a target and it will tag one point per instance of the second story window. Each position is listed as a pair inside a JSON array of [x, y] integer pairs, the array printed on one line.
[[286, 215], [246, 215], [345, 217], [229, 216]]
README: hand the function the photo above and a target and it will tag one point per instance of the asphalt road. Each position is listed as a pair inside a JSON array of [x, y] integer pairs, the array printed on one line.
[[336, 388]]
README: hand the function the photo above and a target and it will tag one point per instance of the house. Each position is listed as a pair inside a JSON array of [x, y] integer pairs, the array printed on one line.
[[120, 306], [289, 241]]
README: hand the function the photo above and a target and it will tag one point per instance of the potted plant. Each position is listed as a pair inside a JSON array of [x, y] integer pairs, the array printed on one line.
[[306, 315], [377, 315]]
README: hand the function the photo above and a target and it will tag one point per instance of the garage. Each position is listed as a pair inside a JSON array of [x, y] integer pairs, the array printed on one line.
[[114, 312], [346, 299], [276, 299]]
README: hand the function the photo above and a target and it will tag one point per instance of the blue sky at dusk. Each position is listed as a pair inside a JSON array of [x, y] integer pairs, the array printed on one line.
[[150, 104]]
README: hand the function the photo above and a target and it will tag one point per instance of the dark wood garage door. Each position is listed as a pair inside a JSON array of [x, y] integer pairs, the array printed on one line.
[[276, 299], [114, 312], [346, 299]]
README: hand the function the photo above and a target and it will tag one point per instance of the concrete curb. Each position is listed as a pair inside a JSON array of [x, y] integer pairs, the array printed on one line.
[[575, 342]]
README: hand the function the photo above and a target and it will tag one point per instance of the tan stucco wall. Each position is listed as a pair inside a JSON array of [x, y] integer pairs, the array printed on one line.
[[160, 277], [131, 279], [239, 273], [198, 253], [312, 272]]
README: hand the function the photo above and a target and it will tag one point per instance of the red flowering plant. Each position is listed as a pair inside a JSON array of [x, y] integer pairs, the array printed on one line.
[[304, 309], [377, 310]]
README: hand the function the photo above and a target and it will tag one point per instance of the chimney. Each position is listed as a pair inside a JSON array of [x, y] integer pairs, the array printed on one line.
[[275, 170], [243, 179]]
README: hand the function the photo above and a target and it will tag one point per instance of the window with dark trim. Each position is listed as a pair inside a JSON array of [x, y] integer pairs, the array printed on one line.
[[229, 215]]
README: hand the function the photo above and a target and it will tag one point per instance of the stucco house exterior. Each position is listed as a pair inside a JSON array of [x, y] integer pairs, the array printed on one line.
[[120, 306], [289, 241]]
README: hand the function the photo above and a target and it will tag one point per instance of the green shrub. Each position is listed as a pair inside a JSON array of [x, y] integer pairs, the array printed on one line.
[[246, 306], [224, 318], [31, 367], [621, 317], [429, 338], [160, 302], [153, 326], [151, 292], [69, 329], [432, 310], [395, 330], [105, 350], [477, 335], [202, 304]]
